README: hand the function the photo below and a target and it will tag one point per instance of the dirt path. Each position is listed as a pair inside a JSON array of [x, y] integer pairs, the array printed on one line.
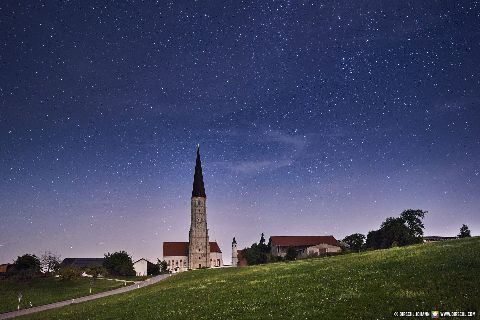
[[13, 314]]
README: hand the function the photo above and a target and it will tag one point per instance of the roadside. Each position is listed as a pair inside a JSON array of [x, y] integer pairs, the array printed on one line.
[[136, 285]]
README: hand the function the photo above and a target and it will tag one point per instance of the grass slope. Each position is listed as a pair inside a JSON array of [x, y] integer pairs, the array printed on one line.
[[442, 276], [47, 290]]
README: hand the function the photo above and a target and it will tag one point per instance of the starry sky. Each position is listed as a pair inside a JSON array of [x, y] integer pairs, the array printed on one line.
[[312, 117]]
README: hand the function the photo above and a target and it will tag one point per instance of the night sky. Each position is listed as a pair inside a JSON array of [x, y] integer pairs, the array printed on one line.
[[312, 118]]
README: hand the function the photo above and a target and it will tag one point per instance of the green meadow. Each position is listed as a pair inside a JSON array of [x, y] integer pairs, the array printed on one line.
[[370, 285], [47, 290]]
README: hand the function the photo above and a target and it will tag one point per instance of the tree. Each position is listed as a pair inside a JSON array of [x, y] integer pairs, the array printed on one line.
[[27, 262], [262, 239], [257, 253], [464, 232], [119, 264], [26, 267], [404, 230], [49, 262], [163, 265], [413, 219], [355, 241], [153, 269], [393, 231], [291, 254]]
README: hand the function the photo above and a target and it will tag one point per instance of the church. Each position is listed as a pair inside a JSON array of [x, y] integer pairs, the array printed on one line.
[[198, 252]]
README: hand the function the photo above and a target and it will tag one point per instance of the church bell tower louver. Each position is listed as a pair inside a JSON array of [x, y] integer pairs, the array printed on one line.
[[199, 247]]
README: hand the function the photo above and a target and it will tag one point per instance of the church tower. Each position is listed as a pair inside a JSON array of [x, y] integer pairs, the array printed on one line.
[[198, 247], [234, 253]]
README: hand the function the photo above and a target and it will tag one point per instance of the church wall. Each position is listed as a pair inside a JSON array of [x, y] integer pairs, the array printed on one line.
[[174, 262], [216, 259]]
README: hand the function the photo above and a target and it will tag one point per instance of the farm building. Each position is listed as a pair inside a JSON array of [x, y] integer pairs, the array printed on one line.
[[304, 245]]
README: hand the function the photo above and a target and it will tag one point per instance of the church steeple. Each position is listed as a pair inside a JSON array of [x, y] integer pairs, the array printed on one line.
[[198, 186]]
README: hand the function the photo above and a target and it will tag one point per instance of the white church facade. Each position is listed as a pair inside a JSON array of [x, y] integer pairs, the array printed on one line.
[[198, 252]]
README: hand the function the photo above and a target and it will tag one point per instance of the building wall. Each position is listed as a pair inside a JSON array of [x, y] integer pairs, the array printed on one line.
[[199, 246], [176, 263], [279, 251], [234, 255], [304, 251], [319, 250], [216, 259], [140, 268]]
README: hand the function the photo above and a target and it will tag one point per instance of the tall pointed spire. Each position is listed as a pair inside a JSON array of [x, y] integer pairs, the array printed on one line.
[[198, 186]]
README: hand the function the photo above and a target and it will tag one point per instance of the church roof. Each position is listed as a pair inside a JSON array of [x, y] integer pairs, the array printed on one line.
[[294, 241], [198, 186], [175, 249], [181, 248]]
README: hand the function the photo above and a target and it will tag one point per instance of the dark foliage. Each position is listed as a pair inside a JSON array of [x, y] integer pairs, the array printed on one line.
[[95, 271], [163, 266], [119, 264], [355, 241], [67, 273], [291, 254], [153, 269], [464, 232], [26, 267], [404, 230], [49, 262], [258, 253]]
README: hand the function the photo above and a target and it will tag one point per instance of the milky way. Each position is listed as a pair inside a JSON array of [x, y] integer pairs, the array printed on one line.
[[312, 119]]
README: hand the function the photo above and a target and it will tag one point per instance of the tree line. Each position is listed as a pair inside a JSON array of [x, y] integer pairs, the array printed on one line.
[[407, 229], [29, 266], [404, 230]]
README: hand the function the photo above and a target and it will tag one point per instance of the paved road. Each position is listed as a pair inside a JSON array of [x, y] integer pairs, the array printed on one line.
[[135, 286]]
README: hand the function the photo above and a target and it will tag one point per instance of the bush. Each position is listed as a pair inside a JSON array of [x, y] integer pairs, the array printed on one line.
[[119, 264], [291, 254], [69, 273], [95, 271]]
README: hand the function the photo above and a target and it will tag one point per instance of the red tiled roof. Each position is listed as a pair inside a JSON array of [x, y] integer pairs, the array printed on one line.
[[214, 247], [293, 241], [181, 248], [175, 249]]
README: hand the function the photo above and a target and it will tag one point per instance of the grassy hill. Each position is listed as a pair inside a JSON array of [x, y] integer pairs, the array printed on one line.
[[442, 276], [47, 290]]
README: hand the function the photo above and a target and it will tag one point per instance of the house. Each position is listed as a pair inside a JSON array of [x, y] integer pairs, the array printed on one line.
[[82, 263], [141, 267], [176, 256], [4, 269], [304, 245]]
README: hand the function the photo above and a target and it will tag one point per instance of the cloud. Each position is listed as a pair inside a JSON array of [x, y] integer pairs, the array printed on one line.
[[256, 166], [296, 142]]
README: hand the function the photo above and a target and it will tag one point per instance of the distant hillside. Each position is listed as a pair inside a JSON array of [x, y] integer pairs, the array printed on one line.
[[439, 276]]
